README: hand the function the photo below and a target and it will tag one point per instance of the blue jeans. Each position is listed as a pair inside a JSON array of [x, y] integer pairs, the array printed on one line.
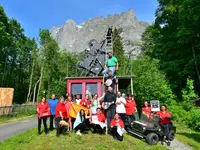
[[105, 72]]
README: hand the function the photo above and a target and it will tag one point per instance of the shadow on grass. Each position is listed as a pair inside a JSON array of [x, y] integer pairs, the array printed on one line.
[[194, 136]]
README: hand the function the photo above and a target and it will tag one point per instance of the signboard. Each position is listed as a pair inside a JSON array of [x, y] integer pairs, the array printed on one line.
[[155, 105], [6, 96]]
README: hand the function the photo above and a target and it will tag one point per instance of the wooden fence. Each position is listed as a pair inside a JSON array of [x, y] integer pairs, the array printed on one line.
[[16, 109]]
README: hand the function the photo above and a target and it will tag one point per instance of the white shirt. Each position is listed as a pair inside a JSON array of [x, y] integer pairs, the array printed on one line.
[[78, 101], [120, 107]]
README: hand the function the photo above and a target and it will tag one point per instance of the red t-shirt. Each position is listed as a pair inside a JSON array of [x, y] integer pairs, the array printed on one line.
[[61, 107], [85, 103], [147, 111], [116, 123], [164, 117], [101, 117], [130, 107], [43, 107], [67, 106]]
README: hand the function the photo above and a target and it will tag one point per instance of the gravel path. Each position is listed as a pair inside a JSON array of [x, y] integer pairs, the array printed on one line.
[[178, 145]]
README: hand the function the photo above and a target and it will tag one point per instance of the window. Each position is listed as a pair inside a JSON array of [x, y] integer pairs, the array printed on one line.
[[91, 88], [76, 89]]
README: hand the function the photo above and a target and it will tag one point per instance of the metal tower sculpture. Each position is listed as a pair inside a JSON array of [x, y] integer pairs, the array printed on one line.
[[96, 55]]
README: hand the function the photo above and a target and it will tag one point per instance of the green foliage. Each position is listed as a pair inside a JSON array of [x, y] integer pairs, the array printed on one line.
[[149, 83], [174, 40]]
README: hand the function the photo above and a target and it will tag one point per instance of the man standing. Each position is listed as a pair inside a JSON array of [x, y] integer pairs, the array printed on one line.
[[109, 100], [52, 103], [120, 109], [110, 64]]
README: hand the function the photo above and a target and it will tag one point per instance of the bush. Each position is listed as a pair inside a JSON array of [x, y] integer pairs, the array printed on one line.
[[149, 83]]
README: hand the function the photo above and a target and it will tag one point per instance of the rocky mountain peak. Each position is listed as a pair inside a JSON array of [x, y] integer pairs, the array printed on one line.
[[74, 38]]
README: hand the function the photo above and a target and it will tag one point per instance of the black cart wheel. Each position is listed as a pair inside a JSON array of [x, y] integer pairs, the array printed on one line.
[[171, 135], [152, 138]]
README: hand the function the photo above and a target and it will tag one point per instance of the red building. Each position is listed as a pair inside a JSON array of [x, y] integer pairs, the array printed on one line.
[[79, 85]]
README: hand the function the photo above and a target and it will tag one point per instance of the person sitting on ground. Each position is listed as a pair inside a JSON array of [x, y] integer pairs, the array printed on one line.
[[117, 128], [120, 106], [111, 78], [78, 99], [146, 110], [43, 111], [130, 110], [101, 119], [61, 114], [110, 64], [80, 122], [52, 103], [165, 122], [86, 102]]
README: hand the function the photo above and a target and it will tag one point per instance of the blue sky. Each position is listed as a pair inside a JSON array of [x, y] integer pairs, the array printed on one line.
[[36, 14]]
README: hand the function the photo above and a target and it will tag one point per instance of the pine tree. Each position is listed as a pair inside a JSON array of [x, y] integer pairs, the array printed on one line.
[[118, 50]]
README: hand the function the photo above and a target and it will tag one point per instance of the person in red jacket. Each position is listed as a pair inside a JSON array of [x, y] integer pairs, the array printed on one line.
[[130, 110], [68, 106], [146, 110], [165, 122], [101, 118], [43, 111], [86, 102], [117, 124], [61, 114]]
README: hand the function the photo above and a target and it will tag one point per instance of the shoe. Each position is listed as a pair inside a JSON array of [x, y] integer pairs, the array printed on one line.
[[168, 143], [162, 142], [39, 133], [78, 133], [57, 135], [46, 132]]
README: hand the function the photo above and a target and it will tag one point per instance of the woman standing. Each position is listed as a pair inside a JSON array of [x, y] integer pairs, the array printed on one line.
[[165, 122], [96, 102], [68, 105], [115, 124], [43, 111]]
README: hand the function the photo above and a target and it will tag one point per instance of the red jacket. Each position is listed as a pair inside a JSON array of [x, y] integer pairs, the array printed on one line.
[[61, 107], [130, 107], [116, 123], [164, 117]]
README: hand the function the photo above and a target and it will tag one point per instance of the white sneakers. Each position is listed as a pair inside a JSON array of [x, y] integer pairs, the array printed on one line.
[[78, 133]]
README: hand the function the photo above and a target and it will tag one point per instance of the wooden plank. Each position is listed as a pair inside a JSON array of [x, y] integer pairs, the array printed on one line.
[[6, 96]]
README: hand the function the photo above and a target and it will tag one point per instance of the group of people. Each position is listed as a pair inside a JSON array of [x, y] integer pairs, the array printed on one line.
[[111, 113], [118, 116]]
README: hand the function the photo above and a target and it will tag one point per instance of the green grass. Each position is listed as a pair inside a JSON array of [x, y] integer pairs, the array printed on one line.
[[70, 141], [188, 136]]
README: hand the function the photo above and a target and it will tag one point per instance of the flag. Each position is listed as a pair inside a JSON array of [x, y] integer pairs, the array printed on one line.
[[77, 107]]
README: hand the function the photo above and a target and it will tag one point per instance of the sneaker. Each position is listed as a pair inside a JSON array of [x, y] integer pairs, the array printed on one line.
[[168, 143], [78, 133]]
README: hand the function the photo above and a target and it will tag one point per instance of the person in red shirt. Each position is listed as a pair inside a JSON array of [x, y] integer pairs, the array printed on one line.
[[101, 118], [68, 106], [61, 114], [165, 121], [43, 111], [86, 102], [114, 127], [130, 110], [146, 110]]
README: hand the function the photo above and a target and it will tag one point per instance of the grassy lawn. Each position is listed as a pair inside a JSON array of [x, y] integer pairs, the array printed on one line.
[[70, 141], [188, 136]]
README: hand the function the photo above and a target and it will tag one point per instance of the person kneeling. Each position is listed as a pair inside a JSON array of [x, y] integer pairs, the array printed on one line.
[[98, 121], [117, 128], [61, 114]]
